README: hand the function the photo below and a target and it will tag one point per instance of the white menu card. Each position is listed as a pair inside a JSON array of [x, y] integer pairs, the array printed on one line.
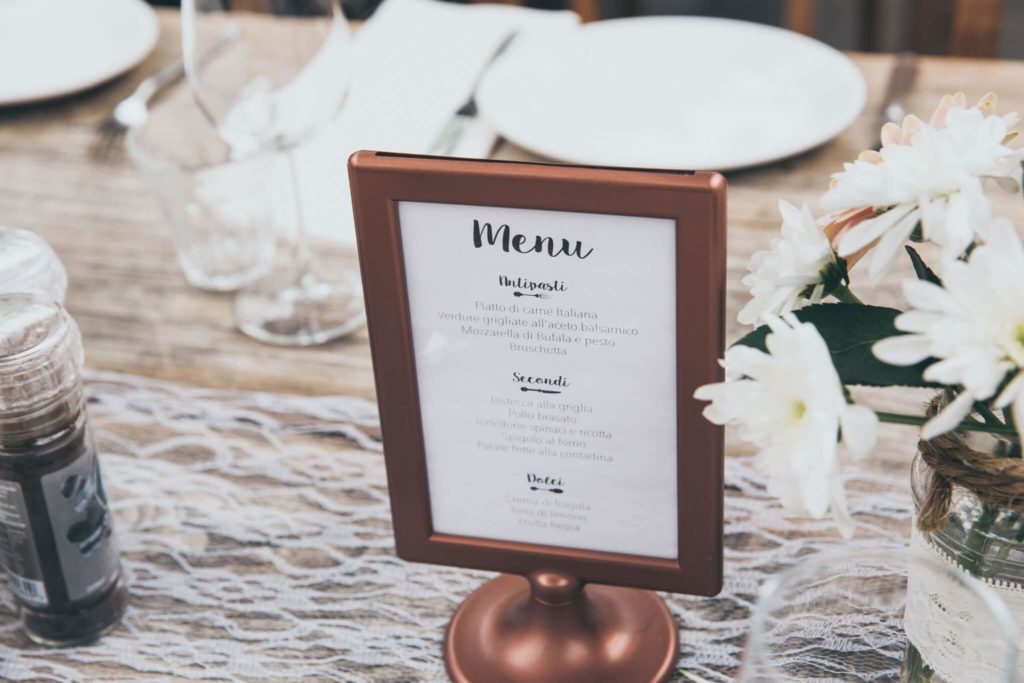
[[545, 345]]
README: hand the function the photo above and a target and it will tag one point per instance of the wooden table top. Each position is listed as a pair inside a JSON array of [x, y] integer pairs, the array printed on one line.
[[138, 315]]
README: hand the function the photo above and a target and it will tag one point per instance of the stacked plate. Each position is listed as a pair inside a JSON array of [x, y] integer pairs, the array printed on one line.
[[51, 48], [672, 92]]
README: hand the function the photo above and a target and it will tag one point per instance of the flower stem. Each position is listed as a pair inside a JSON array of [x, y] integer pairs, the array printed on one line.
[[978, 540], [1015, 450], [899, 419], [914, 668], [987, 415], [842, 293], [1008, 416]]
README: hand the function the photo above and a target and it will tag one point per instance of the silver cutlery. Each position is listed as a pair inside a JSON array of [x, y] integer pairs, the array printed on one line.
[[901, 80], [448, 139], [134, 110]]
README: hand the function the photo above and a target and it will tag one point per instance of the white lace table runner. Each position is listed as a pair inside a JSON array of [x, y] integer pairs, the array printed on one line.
[[256, 540]]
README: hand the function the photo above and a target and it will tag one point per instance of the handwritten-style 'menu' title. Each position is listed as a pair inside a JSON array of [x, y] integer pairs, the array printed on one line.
[[485, 233]]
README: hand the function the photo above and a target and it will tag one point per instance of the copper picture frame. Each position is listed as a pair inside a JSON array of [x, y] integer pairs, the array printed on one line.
[[695, 201]]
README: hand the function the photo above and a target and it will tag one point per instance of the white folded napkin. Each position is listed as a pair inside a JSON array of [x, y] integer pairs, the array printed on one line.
[[414, 63]]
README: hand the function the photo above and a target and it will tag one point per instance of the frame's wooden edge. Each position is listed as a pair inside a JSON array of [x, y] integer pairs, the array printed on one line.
[[378, 181], [369, 265], [388, 162]]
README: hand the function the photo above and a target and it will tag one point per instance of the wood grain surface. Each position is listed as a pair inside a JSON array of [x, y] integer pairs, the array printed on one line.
[[138, 315]]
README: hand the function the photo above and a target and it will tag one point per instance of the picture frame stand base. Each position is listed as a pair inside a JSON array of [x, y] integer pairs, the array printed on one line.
[[550, 628]]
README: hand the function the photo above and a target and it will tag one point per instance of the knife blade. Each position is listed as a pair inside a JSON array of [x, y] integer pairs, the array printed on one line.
[[452, 133], [901, 81]]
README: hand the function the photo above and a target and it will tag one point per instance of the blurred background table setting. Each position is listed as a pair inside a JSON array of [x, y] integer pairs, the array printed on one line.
[[187, 165]]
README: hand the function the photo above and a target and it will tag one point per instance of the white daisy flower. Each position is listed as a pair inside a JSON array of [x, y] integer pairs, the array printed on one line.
[[902, 134], [973, 325], [927, 174], [986, 105], [790, 403], [800, 265]]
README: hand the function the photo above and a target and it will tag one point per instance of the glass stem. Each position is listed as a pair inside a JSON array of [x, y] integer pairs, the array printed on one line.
[[299, 256]]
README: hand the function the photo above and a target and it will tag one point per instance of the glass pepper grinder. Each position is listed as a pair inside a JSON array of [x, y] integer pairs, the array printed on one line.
[[56, 541], [29, 264]]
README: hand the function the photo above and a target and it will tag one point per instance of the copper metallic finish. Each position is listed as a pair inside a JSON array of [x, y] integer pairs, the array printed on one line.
[[696, 204], [553, 629]]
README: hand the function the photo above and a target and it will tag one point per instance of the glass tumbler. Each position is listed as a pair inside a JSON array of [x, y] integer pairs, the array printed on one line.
[[843, 615], [221, 210]]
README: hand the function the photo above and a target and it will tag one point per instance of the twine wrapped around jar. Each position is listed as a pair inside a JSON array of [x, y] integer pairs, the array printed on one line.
[[993, 479]]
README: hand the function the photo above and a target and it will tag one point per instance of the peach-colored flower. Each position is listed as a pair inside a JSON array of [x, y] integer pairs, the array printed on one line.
[[987, 105], [930, 175], [903, 133], [835, 225], [955, 101], [900, 133]]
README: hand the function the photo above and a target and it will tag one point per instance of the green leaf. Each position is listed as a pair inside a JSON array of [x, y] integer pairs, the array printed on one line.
[[850, 330], [921, 268]]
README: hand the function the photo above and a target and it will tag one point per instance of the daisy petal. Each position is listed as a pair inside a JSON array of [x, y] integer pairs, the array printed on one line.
[[789, 213], [891, 134], [751, 312], [860, 430], [950, 417], [917, 321], [1011, 393], [905, 349], [866, 232], [746, 361], [927, 295], [707, 392], [889, 247]]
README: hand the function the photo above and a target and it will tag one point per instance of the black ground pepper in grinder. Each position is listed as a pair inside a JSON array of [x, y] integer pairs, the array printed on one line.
[[56, 541]]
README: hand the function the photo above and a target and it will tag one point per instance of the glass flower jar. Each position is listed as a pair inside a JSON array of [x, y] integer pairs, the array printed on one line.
[[968, 514], [839, 615]]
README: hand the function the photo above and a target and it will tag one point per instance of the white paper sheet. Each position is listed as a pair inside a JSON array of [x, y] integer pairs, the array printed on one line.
[[414, 64], [547, 378]]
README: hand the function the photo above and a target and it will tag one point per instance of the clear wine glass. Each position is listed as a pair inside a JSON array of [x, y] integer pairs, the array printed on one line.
[[269, 74], [863, 614]]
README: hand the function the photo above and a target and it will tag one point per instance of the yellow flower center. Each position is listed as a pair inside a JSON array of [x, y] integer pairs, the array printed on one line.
[[1015, 349], [799, 409]]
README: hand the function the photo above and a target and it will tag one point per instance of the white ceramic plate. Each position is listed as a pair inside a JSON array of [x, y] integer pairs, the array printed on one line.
[[672, 92], [50, 48]]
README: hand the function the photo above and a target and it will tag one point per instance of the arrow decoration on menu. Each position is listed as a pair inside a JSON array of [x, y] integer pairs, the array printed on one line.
[[544, 488], [539, 391]]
